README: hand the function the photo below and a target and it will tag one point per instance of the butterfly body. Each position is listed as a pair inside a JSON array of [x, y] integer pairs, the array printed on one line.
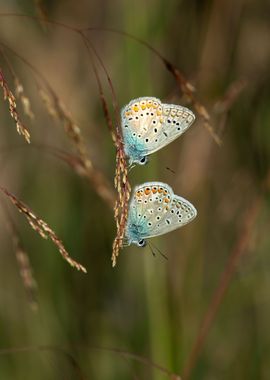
[[155, 210], [135, 150], [135, 233], [148, 125]]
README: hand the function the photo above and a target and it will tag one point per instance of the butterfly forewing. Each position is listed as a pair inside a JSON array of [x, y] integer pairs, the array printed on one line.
[[175, 121]]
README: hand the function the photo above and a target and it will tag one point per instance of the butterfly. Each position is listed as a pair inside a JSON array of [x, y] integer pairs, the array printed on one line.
[[155, 210], [148, 125]]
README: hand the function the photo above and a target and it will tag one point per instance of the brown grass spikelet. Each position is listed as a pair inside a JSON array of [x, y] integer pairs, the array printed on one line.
[[41, 11], [121, 182], [27, 275], [184, 85], [231, 95], [42, 229], [23, 262], [239, 250], [96, 178], [19, 90], [123, 188], [8, 95], [58, 111], [187, 89]]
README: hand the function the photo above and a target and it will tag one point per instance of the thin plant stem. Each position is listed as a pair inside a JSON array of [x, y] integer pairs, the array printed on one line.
[[238, 251]]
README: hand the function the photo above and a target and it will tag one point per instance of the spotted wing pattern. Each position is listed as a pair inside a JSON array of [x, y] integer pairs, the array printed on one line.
[[156, 210], [149, 125]]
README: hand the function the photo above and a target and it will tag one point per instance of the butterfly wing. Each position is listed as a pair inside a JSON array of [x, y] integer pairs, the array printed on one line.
[[179, 212], [145, 201], [137, 118], [148, 125], [155, 210], [175, 121]]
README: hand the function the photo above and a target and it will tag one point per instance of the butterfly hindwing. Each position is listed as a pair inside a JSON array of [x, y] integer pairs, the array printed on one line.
[[155, 210], [179, 212]]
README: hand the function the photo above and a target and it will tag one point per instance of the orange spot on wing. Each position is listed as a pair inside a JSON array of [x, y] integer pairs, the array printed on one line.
[[160, 190], [166, 200], [147, 191], [154, 190]]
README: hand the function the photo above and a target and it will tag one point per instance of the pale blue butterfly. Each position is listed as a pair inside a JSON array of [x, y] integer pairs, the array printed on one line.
[[148, 125], [155, 210]]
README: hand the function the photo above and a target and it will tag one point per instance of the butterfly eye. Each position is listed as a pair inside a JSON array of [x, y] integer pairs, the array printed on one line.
[[141, 243], [143, 160]]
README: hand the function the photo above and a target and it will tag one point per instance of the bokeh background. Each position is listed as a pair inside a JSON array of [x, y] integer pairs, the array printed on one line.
[[146, 305]]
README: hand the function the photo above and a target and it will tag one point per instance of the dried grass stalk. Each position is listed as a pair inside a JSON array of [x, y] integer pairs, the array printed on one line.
[[122, 185], [55, 107], [42, 229], [239, 250], [82, 164], [8, 95], [231, 95], [19, 91], [187, 89], [58, 111], [41, 11], [121, 172], [24, 264], [26, 275], [96, 178]]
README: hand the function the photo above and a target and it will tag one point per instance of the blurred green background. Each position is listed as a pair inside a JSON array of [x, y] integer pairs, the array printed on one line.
[[146, 305]]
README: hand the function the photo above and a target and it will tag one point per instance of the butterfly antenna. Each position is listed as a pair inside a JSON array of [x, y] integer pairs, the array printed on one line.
[[170, 170], [161, 253], [151, 249]]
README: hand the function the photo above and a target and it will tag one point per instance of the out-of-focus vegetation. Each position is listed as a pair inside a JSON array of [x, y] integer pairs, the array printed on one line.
[[204, 313]]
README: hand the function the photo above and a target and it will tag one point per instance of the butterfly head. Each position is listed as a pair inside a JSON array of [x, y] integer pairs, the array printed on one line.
[[143, 160], [140, 243]]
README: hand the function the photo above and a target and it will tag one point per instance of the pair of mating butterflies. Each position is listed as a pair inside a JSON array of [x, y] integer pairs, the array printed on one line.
[[147, 126]]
